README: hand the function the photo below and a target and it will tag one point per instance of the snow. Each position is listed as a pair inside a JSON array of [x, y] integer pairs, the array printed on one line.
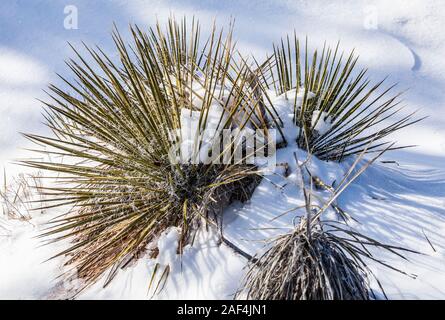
[[206, 270], [321, 122], [397, 202], [24, 274], [16, 68], [201, 131]]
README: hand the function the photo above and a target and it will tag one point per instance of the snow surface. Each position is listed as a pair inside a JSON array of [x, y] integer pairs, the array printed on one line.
[[396, 202]]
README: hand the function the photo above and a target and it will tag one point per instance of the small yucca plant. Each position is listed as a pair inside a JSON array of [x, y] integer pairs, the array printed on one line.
[[306, 265], [128, 168], [320, 259], [337, 108], [325, 262]]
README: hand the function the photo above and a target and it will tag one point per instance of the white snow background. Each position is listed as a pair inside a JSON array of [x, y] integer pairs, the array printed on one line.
[[396, 204]]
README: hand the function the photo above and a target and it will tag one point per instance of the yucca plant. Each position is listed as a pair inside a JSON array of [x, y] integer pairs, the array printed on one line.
[[326, 262], [336, 107], [307, 265], [129, 132], [319, 259]]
